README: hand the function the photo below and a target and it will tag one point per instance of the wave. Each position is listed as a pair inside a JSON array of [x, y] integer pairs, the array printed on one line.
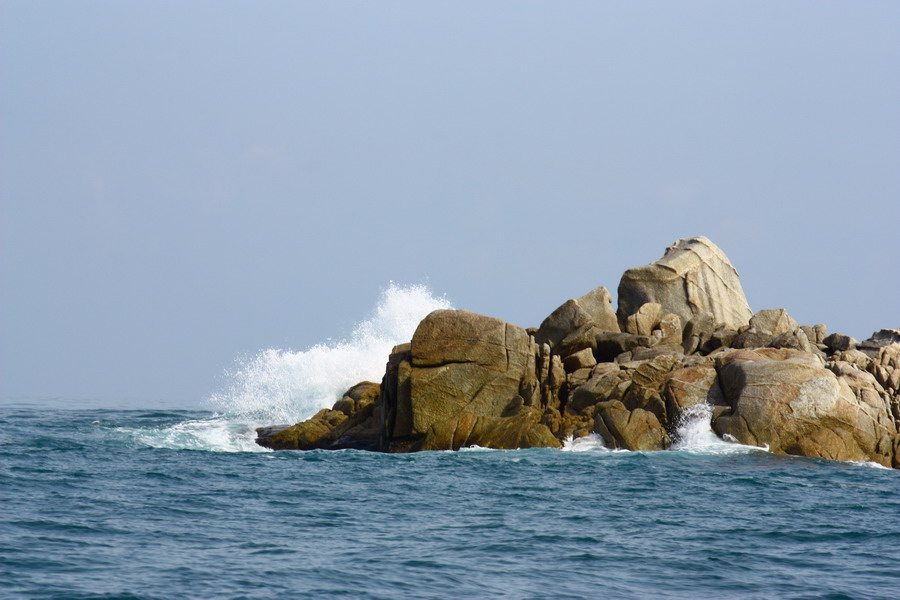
[[284, 387], [693, 434]]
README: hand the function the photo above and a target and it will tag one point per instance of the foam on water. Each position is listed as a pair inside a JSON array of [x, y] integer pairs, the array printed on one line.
[[285, 386], [693, 433], [587, 443]]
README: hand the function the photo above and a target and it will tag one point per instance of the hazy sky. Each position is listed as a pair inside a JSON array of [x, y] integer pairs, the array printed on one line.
[[186, 182]]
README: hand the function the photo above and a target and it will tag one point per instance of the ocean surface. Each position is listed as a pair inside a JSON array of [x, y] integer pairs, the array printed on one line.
[[156, 503]]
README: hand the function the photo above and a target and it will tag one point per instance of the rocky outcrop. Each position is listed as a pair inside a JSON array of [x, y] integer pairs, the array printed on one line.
[[575, 324], [684, 344], [788, 402], [692, 277], [467, 379]]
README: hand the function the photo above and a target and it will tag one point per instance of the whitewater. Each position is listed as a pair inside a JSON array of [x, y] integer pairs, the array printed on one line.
[[156, 504]]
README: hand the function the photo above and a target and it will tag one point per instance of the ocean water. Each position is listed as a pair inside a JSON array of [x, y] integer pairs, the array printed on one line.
[[167, 504]]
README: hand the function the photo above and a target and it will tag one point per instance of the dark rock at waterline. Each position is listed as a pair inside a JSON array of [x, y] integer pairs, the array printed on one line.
[[351, 423], [467, 379]]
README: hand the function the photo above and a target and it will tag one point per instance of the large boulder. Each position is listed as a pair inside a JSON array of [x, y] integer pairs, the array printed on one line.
[[575, 324], [636, 429], [465, 362], [467, 379], [693, 276], [786, 400]]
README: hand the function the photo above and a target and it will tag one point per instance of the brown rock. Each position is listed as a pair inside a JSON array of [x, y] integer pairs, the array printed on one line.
[[644, 321], [465, 363], [669, 330], [603, 385], [693, 276], [583, 359], [522, 430], [689, 387], [574, 325], [609, 345], [786, 400], [839, 342], [698, 331], [773, 321], [879, 339], [631, 429]]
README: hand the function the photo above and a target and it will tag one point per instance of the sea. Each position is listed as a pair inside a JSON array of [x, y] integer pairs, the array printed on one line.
[[159, 502]]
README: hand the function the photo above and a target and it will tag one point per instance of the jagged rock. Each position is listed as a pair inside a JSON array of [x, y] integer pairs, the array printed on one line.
[[795, 340], [358, 397], [753, 338], [690, 386], [396, 406], [647, 382], [837, 342], [693, 276], [816, 334], [574, 325], [786, 400], [603, 385], [879, 339], [641, 353], [644, 320], [773, 321], [468, 379], [698, 331], [632, 429], [722, 337], [765, 327], [860, 360], [609, 345], [668, 331], [577, 378], [583, 359]]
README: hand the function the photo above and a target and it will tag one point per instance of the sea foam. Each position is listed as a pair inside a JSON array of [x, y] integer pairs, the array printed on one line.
[[284, 386]]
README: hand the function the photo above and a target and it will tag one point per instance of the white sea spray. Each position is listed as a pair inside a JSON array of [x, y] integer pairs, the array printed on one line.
[[284, 386]]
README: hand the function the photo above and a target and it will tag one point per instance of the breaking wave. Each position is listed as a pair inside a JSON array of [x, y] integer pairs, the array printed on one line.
[[285, 386]]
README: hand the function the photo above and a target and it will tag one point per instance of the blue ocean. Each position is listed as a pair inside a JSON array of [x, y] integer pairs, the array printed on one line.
[[156, 503]]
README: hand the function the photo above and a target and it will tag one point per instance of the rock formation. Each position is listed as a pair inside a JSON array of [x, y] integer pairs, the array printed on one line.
[[683, 336], [692, 277]]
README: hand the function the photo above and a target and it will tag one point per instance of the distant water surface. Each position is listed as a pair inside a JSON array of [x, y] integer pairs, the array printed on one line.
[[159, 504]]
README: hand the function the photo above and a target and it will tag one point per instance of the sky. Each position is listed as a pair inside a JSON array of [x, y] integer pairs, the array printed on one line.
[[184, 183]]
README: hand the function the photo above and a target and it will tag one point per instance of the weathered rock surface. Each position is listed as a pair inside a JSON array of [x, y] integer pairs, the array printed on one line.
[[636, 429], [693, 276], [468, 379], [575, 324], [786, 400], [689, 386], [879, 339]]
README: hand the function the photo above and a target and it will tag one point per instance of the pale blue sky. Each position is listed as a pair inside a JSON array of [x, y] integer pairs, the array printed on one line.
[[186, 182]]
